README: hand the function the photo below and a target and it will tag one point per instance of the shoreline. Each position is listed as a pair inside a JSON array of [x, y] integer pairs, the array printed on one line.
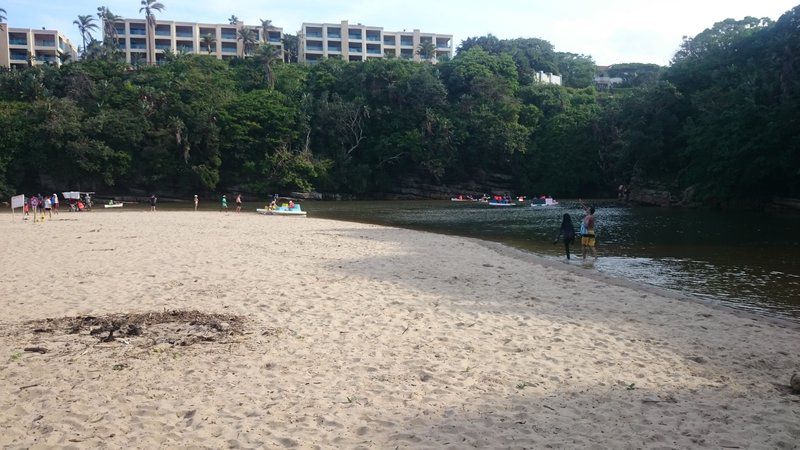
[[773, 316]]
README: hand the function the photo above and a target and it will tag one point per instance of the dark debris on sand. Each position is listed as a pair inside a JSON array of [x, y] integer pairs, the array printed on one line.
[[175, 327]]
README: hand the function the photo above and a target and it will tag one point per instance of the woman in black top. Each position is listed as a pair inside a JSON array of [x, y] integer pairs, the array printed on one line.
[[567, 232]]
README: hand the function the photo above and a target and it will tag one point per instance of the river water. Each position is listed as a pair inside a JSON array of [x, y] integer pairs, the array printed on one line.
[[746, 260]]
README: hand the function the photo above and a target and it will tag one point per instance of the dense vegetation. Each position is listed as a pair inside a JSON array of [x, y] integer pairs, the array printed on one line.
[[722, 119]]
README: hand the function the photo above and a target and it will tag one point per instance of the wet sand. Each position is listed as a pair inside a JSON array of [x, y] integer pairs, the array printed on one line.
[[360, 335]]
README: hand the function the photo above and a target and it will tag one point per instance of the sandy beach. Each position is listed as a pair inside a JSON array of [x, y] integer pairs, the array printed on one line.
[[357, 335]]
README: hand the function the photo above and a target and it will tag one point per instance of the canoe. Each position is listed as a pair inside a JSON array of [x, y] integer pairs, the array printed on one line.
[[549, 201], [115, 205], [501, 204], [280, 212]]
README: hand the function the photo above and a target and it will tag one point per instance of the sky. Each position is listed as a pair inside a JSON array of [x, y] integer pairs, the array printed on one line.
[[611, 31]]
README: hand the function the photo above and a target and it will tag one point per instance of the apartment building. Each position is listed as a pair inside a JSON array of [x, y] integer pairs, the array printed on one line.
[[21, 46], [360, 43], [178, 37]]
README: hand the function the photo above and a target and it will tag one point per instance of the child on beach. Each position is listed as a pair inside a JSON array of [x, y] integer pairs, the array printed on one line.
[[567, 232], [48, 207], [224, 203], [34, 207]]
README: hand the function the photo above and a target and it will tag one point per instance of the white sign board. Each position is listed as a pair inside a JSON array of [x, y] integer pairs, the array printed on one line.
[[72, 195], [17, 201]]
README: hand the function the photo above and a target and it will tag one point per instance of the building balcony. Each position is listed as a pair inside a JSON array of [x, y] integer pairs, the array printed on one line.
[[46, 58], [228, 36], [313, 48], [373, 38], [374, 51], [18, 41], [119, 30], [314, 34], [334, 36], [354, 37], [405, 43], [138, 47], [335, 49], [18, 56], [274, 40], [354, 50], [138, 31], [45, 43], [163, 47], [184, 34], [163, 33]]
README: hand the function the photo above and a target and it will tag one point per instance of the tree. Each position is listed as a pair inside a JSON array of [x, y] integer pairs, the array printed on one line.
[[248, 38], [233, 20], [108, 19], [426, 50], [266, 56], [85, 24], [148, 6], [291, 47], [266, 25], [3, 13], [207, 40]]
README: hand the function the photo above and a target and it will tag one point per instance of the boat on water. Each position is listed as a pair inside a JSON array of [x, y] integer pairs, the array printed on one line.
[[543, 201], [284, 209], [501, 204], [112, 204]]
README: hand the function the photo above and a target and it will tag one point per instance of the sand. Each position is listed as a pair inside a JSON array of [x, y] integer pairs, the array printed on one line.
[[365, 336]]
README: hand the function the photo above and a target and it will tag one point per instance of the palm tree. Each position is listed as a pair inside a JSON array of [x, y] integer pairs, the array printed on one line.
[[108, 18], [248, 38], [291, 45], [3, 13], [85, 24], [148, 6], [426, 50], [233, 20], [207, 40], [265, 26], [266, 56]]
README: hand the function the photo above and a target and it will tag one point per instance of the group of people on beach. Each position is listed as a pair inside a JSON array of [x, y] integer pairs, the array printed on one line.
[[37, 206], [566, 232]]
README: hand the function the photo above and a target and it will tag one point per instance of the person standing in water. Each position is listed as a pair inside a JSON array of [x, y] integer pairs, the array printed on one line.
[[566, 232], [588, 240], [196, 202]]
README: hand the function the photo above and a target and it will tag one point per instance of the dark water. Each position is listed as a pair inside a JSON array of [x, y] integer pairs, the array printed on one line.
[[746, 260]]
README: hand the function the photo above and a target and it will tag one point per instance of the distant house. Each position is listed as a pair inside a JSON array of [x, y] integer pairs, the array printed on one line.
[[603, 80], [627, 75], [547, 78]]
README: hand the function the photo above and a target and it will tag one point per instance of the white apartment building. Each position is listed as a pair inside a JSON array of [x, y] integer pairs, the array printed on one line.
[[178, 37], [361, 42], [21, 46]]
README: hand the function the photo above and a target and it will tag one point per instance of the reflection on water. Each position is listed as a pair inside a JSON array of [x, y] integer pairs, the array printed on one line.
[[748, 260]]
